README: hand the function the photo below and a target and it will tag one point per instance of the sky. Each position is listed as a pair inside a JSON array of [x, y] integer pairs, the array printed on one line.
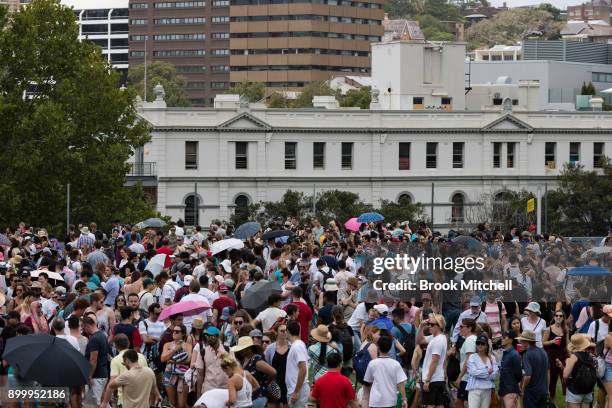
[[562, 4]]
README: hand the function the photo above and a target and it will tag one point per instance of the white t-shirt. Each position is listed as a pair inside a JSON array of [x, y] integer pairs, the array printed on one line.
[[269, 316], [209, 295], [384, 373], [70, 339], [602, 332], [152, 329], [437, 346], [297, 354], [359, 315], [341, 278], [537, 328], [469, 346]]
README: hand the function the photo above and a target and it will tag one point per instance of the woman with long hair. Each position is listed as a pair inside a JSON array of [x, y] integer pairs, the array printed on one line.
[[579, 349], [276, 356], [318, 352], [250, 356], [482, 370], [241, 384], [18, 299], [177, 356], [36, 320], [555, 339]]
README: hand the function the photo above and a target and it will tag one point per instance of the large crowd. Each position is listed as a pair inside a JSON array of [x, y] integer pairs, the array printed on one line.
[[290, 316]]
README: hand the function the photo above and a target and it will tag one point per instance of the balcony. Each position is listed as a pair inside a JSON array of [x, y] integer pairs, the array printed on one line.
[[142, 169]]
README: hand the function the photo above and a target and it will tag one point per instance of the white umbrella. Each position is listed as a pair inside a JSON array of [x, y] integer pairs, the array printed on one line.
[[609, 90], [231, 243], [156, 264], [51, 275], [597, 251]]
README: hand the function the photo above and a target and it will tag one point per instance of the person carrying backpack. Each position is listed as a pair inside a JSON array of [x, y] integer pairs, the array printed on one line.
[[405, 334], [345, 334], [367, 352], [580, 372]]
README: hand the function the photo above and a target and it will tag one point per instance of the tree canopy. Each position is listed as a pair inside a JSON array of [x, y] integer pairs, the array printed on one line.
[[73, 126], [159, 72], [253, 91], [512, 26]]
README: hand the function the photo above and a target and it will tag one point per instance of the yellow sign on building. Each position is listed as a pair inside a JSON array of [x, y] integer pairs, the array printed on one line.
[[531, 205]]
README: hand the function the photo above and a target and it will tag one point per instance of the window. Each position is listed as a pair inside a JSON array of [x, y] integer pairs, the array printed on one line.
[[220, 52], [404, 156], [446, 101], [190, 69], [510, 154], [180, 4], [137, 53], [431, 155], [219, 85], [417, 100], [139, 5], [497, 155], [138, 21], [220, 36], [220, 19], [318, 155], [574, 153], [598, 154], [501, 205], [347, 156], [179, 37], [242, 155], [221, 3], [290, 155], [404, 199], [137, 37], [192, 212], [549, 154], [220, 68], [191, 155], [179, 53], [458, 148], [196, 85], [601, 77], [183, 20], [242, 206], [457, 208]]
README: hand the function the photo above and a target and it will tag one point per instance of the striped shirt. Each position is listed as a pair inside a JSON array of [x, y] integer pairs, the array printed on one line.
[[494, 318], [86, 239]]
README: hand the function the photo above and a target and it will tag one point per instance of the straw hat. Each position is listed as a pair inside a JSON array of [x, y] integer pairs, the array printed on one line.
[[85, 230], [321, 334], [527, 335], [580, 342], [243, 343], [352, 281]]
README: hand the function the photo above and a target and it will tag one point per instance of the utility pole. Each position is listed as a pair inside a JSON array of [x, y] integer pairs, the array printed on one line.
[[432, 206], [68, 210], [145, 68], [195, 205]]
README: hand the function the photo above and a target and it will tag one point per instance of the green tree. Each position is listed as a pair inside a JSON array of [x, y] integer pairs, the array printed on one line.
[[404, 8], [78, 127], [555, 12], [253, 91], [159, 72], [360, 98], [339, 205], [582, 205], [512, 26], [433, 29], [442, 10], [312, 89], [403, 210], [278, 100]]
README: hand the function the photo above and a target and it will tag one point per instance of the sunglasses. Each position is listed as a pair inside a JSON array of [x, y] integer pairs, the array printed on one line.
[[238, 322], [120, 300], [265, 341], [177, 331], [481, 344], [558, 315], [431, 324]]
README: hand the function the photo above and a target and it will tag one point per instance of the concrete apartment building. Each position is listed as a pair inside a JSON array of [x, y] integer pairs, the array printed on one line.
[[193, 35], [594, 10], [288, 43]]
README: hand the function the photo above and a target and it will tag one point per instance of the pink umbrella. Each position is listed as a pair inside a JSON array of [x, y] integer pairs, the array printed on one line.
[[187, 308], [352, 224]]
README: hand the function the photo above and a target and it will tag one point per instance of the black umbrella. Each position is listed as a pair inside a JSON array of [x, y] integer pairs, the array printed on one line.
[[276, 234], [255, 299], [46, 359], [70, 308], [248, 229]]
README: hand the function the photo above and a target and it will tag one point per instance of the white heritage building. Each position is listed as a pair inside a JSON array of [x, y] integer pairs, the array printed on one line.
[[235, 154]]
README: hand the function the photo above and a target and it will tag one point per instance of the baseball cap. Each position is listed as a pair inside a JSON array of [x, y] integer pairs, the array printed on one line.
[[382, 309], [187, 281], [482, 339], [255, 333], [148, 281], [223, 288], [607, 309], [475, 301], [212, 331]]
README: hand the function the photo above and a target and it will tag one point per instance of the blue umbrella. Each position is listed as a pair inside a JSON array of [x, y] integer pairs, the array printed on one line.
[[370, 217], [151, 223], [248, 229], [589, 271]]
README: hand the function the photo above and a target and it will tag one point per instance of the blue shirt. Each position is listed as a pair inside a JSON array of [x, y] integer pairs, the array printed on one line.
[[478, 371], [510, 373], [535, 365], [112, 290]]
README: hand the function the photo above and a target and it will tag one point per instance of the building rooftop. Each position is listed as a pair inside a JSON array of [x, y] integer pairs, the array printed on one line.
[[402, 29]]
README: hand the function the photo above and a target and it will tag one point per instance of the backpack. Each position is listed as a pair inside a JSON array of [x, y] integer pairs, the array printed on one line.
[[346, 338], [152, 354], [584, 375], [585, 327], [326, 275], [360, 362], [409, 343]]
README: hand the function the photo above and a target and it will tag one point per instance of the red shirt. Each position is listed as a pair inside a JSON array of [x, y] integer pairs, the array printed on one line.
[[221, 302], [333, 390], [304, 317], [168, 251]]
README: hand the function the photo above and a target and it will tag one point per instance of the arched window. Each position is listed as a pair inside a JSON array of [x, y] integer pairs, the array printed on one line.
[[192, 212], [501, 203], [457, 209], [242, 205], [404, 198]]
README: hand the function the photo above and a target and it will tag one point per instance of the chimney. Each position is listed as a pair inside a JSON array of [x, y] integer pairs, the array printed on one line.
[[325, 102]]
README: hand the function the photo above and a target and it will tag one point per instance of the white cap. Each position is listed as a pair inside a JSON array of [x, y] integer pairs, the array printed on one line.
[[188, 279], [382, 309]]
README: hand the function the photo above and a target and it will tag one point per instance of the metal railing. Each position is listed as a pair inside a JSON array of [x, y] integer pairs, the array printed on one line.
[[142, 169]]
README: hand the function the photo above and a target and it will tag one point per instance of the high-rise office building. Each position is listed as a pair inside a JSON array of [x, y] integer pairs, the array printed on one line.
[[193, 35], [104, 23], [288, 43]]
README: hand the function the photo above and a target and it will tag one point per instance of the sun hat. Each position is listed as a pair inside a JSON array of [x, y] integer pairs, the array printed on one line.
[[527, 335], [475, 301], [330, 285], [580, 342], [255, 333], [187, 281], [84, 230], [243, 343], [321, 334], [382, 309], [534, 307], [229, 283], [197, 323], [352, 281]]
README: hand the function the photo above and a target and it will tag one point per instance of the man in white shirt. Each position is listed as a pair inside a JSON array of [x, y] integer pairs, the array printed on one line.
[[269, 316], [58, 327], [387, 378], [204, 291], [598, 330], [296, 374], [434, 385], [360, 315], [343, 274], [511, 269], [467, 330], [169, 290], [474, 312], [49, 306]]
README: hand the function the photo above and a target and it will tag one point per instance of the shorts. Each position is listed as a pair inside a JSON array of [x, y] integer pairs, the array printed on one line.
[[608, 376], [572, 398], [462, 393], [436, 394]]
